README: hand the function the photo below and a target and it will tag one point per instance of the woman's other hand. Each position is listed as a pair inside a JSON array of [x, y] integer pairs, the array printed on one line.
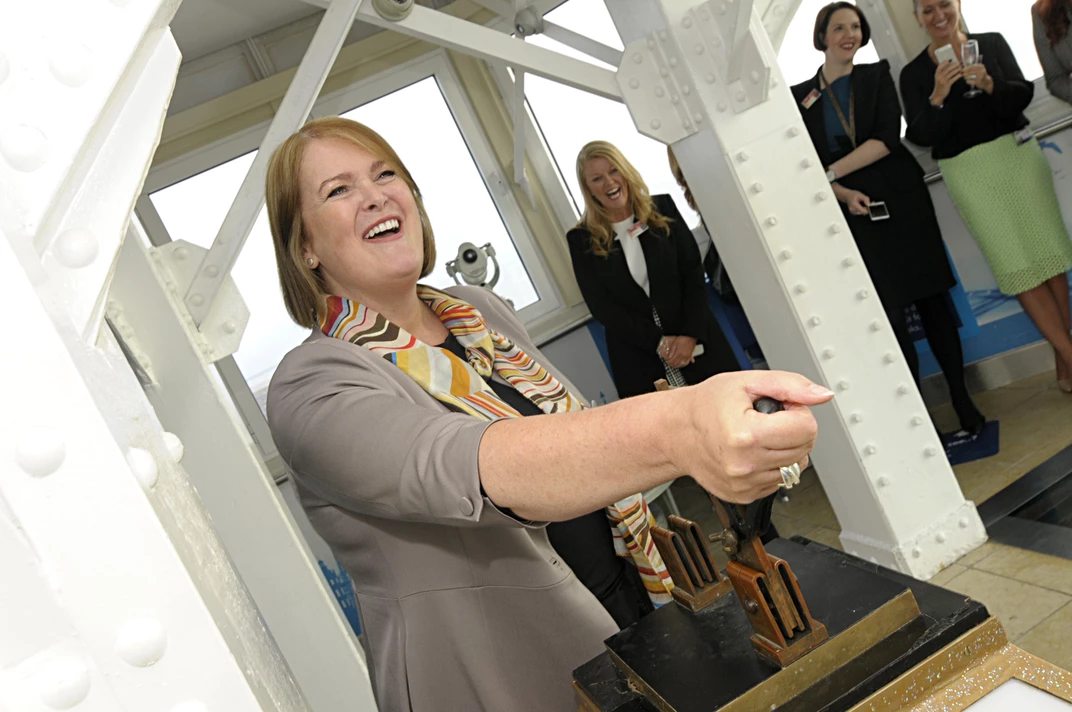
[[977, 76], [857, 202], [945, 77], [732, 450]]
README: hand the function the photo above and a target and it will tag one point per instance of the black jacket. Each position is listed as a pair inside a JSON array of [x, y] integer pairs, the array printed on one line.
[[878, 116], [678, 293], [904, 255], [964, 123]]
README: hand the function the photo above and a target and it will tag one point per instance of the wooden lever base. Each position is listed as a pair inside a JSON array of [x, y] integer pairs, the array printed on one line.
[[776, 608]]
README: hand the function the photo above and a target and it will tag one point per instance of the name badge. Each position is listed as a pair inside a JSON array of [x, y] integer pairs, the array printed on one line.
[[811, 98], [636, 229]]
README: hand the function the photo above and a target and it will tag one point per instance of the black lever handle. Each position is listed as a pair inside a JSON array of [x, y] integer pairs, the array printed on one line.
[[768, 405]]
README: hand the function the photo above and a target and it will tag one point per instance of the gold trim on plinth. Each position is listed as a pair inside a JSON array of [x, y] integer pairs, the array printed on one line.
[[584, 702], [965, 671], [801, 674]]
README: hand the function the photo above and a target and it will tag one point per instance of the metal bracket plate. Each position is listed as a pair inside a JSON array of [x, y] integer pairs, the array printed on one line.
[[221, 331], [655, 87]]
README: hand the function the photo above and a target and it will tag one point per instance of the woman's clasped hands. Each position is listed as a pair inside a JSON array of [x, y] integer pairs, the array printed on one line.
[[677, 350]]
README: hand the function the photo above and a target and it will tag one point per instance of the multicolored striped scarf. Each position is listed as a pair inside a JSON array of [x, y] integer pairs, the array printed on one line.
[[460, 386]]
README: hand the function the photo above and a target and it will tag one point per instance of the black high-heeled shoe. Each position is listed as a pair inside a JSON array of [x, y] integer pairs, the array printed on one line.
[[972, 421]]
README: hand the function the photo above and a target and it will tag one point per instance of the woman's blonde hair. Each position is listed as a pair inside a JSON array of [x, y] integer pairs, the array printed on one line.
[[303, 287], [679, 176], [595, 218]]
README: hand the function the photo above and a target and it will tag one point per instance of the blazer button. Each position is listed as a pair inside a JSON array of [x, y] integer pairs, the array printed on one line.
[[467, 506]]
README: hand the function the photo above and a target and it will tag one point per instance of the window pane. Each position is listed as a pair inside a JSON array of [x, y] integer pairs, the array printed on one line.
[[569, 118], [1012, 18], [798, 59], [417, 122]]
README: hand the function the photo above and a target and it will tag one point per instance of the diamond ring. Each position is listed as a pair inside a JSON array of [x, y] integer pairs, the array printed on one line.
[[790, 476]]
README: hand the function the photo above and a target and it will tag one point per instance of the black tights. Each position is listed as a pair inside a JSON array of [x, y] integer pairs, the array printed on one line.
[[940, 326], [585, 544]]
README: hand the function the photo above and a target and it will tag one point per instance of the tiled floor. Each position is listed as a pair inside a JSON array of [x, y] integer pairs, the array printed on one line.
[[1030, 593]]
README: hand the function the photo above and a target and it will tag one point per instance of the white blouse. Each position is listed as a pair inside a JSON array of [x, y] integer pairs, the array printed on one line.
[[634, 254]]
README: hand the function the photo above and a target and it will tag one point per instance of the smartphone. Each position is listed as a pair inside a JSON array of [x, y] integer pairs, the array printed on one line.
[[945, 54], [878, 211]]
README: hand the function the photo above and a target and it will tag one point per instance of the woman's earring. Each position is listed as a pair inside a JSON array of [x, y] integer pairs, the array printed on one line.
[[311, 262]]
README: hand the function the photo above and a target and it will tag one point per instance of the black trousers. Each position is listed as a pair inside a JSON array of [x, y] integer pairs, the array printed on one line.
[[585, 544], [940, 326]]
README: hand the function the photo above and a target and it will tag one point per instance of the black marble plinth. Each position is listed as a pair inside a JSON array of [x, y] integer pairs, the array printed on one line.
[[699, 662]]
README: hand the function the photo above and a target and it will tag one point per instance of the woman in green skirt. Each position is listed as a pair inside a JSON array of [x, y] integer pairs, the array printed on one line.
[[972, 118]]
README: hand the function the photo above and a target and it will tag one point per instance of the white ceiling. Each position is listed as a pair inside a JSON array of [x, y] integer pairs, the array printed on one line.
[[204, 26]]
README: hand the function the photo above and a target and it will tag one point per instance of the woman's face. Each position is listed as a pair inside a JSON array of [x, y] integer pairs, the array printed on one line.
[[608, 186], [940, 18], [844, 35], [361, 221]]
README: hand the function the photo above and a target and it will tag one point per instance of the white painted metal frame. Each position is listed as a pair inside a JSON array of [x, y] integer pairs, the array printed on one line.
[[292, 113], [484, 43], [539, 153], [117, 590], [586, 45]]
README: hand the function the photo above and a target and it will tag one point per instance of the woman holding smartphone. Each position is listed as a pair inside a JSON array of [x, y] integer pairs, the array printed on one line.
[[854, 120], [969, 110]]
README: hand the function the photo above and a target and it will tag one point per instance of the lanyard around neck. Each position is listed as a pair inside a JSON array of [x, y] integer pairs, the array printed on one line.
[[850, 125]]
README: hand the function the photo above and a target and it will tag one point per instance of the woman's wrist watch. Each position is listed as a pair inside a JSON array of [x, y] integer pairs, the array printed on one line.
[[831, 175]]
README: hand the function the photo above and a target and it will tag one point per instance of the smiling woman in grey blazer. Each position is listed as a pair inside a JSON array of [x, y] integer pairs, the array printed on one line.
[[399, 421]]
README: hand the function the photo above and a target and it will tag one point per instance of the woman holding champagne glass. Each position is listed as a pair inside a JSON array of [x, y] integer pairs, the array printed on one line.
[[964, 96]]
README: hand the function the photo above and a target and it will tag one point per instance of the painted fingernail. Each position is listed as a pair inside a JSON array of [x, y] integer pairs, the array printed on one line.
[[821, 391]]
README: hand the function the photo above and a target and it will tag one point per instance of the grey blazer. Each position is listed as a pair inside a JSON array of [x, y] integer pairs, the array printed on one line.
[[463, 606], [1056, 61]]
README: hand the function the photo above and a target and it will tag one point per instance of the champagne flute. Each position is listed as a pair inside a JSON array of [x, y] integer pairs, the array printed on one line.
[[969, 55]]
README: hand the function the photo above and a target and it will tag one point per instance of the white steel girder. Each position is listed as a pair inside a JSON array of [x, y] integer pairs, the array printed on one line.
[[117, 592], [704, 77], [493, 46]]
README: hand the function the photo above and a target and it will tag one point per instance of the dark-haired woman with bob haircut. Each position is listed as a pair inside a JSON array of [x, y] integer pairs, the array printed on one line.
[[854, 120]]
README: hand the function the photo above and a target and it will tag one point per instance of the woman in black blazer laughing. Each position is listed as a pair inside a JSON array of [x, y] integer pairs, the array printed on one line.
[[640, 273], [854, 121]]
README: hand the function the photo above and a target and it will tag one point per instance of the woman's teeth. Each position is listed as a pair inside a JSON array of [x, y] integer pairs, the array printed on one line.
[[383, 227]]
